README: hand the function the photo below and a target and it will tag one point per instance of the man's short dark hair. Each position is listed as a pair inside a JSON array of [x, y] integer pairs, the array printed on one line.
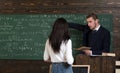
[[93, 15]]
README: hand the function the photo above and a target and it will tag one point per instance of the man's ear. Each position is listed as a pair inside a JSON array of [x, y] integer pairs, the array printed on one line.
[[97, 20]]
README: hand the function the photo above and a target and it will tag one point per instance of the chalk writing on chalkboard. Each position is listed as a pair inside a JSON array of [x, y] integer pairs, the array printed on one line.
[[23, 36]]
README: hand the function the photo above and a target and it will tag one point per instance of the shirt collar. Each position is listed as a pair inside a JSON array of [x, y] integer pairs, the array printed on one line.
[[97, 28]]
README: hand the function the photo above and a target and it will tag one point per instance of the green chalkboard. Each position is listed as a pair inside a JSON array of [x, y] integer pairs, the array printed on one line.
[[23, 36]]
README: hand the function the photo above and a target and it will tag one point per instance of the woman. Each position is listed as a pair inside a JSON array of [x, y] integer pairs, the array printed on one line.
[[58, 48]]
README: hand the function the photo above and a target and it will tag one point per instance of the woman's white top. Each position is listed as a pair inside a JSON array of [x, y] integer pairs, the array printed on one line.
[[65, 54]]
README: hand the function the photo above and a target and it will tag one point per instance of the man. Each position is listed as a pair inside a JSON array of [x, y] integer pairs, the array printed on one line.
[[94, 35]]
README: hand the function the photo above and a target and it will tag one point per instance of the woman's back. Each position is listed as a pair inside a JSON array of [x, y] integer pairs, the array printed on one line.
[[64, 55], [58, 48]]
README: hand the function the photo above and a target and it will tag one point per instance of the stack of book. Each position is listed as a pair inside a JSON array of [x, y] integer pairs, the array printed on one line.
[[117, 70]]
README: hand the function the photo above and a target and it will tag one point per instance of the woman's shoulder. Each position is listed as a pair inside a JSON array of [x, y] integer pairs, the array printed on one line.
[[47, 41], [69, 41]]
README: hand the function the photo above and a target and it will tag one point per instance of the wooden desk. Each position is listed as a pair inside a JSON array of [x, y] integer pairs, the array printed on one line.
[[98, 64]]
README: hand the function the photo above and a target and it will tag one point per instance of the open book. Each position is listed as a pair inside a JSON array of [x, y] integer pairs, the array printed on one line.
[[108, 54], [83, 48]]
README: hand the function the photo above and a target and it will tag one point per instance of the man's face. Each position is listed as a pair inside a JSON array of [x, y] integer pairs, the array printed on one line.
[[92, 23]]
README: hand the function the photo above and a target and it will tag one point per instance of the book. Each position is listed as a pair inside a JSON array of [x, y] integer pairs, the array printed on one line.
[[83, 48], [108, 54], [96, 55], [117, 70], [117, 63]]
